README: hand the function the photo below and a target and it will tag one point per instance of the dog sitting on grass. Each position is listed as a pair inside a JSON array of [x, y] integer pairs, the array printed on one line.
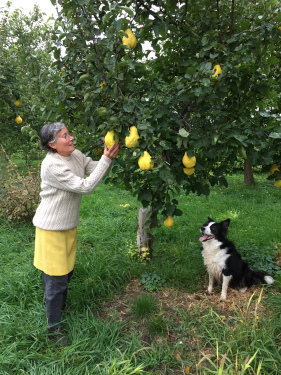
[[224, 264]]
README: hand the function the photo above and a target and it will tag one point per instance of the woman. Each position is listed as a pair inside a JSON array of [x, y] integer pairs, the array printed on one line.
[[63, 183]]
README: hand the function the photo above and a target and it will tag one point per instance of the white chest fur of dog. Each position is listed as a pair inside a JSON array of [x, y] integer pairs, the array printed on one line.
[[214, 258]]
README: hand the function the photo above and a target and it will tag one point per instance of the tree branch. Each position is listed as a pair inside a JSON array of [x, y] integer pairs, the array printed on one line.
[[232, 17]]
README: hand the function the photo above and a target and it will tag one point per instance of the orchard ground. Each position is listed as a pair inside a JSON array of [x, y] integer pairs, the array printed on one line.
[[114, 324]]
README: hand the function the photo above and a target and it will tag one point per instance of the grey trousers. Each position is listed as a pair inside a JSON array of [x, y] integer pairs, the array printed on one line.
[[55, 293]]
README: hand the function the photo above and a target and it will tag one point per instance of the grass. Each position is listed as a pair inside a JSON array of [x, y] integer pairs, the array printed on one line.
[[187, 331]]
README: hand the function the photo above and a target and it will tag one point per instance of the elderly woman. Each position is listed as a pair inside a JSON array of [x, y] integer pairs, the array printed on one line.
[[63, 183]]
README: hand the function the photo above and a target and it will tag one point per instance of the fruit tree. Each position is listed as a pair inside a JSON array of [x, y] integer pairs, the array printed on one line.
[[198, 79]]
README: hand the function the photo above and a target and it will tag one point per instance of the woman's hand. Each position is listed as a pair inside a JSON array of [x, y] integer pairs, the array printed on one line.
[[112, 152]]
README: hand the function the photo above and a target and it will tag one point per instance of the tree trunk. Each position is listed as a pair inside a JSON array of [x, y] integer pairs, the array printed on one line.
[[248, 172], [144, 237]]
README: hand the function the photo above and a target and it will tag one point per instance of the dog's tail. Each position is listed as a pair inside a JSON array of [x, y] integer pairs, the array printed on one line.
[[261, 277]]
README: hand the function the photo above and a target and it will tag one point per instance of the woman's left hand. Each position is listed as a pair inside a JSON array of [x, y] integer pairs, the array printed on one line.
[[112, 152]]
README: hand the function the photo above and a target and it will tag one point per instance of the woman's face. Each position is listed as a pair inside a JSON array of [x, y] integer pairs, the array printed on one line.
[[64, 143]]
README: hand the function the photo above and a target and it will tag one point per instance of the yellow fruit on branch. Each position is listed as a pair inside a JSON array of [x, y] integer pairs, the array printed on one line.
[[101, 84], [218, 70], [18, 120], [145, 162], [132, 140], [277, 184], [110, 138], [17, 102], [188, 162], [189, 171], [274, 168], [168, 222], [131, 41]]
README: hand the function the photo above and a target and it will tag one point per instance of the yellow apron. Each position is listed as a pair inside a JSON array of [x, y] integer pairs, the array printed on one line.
[[55, 251]]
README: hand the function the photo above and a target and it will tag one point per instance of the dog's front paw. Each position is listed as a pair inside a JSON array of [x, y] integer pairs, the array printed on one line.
[[209, 290], [222, 297]]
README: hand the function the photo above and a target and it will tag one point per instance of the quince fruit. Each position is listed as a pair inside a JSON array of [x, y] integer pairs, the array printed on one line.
[[169, 222], [189, 171], [17, 102], [18, 120], [131, 41], [218, 70], [110, 138], [101, 111], [132, 140], [145, 162], [277, 184], [188, 162], [274, 168]]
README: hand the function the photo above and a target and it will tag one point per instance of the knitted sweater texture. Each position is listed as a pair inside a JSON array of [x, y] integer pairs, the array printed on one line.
[[63, 183]]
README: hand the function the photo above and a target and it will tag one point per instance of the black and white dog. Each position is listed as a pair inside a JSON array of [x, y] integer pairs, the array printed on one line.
[[224, 264]]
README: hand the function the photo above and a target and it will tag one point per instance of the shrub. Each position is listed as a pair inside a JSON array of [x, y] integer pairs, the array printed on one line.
[[19, 193]]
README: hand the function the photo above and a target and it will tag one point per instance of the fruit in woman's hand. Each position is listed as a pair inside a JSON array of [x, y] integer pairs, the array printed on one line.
[[145, 162], [169, 222], [188, 162], [110, 138], [18, 120], [132, 140], [17, 102], [189, 171], [131, 41]]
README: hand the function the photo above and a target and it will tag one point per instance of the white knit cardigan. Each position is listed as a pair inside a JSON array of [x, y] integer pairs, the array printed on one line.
[[63, 184]]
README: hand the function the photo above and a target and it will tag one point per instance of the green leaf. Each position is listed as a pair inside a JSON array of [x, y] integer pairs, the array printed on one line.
[[264, 113], [275, 135], [128, 10], [183, 133], [129, 106]]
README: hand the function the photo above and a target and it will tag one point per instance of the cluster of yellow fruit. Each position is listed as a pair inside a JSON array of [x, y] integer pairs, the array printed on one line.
[[18, 119], [131, 141], [274, 168], [189, 164]]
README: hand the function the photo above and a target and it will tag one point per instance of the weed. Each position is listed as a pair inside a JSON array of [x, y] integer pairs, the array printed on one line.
[[157, 325], [133, 250], [151, 281], [143, 305]]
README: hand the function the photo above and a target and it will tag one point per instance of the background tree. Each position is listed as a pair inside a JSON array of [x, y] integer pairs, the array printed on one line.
[[23, 56], [175, 98]]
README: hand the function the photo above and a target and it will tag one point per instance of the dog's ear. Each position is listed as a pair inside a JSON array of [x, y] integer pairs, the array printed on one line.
[[209, 219], [225, 224]]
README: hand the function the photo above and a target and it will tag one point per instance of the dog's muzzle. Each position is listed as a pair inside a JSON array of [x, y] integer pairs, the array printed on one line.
[[206, 237]]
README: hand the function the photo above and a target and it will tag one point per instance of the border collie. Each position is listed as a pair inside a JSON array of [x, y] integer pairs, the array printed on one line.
[[224, 264]]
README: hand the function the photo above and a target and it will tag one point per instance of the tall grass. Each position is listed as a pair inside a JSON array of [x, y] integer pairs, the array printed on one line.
[[203, 340]]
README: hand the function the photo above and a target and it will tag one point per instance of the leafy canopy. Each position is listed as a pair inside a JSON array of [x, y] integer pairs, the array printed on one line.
[[164, 86]]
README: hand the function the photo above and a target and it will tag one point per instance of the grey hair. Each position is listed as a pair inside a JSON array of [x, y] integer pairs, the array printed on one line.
[[48, 134]]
